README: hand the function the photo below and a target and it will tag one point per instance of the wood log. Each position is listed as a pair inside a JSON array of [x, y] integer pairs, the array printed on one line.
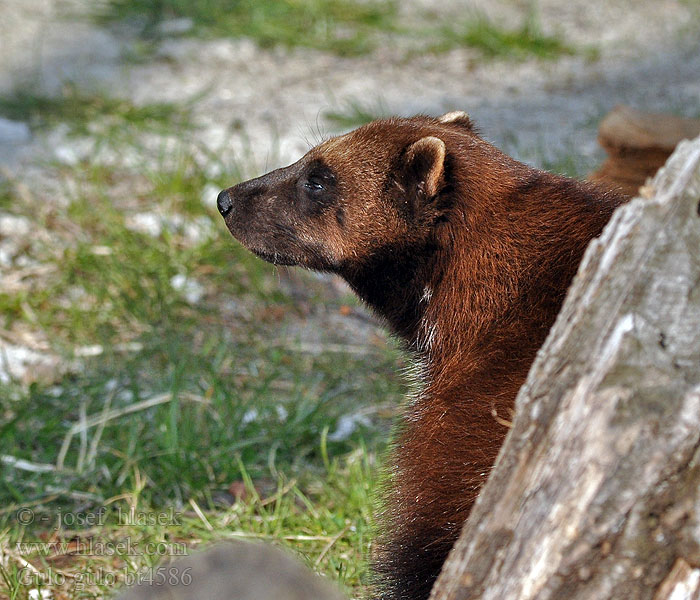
[[638, 143]]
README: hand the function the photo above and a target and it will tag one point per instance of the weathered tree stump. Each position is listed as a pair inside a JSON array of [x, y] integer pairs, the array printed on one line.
[[596, 491], [638, 144]]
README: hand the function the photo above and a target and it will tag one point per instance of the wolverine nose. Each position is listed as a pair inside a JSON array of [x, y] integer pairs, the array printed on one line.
[[223, 203]]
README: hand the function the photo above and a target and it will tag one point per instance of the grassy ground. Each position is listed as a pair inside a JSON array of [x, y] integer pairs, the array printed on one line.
[[354, 113], [346, 28], [194, 381], [495, 41], [82, 111], [195, 393]]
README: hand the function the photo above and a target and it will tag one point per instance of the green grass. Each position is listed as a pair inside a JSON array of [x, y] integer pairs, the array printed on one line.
[[229, 407], [223, 399], [355, 114], [109, 282], [327, 523], [344, 27], [570, 165], [6, 197], [497, 42], [184, 399], [80, 110]]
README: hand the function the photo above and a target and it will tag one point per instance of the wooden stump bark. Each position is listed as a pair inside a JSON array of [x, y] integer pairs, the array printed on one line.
[[638, 144], [596, 491]]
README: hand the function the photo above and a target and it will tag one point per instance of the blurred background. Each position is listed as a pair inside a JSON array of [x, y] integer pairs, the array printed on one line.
[[147, 362]]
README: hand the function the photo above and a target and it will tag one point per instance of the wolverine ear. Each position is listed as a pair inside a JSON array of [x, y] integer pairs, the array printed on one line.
[[425, 165], [457, 117]]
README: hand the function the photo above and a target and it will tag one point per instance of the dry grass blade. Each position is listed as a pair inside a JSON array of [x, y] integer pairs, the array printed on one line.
[[116, 413], [25, 465]]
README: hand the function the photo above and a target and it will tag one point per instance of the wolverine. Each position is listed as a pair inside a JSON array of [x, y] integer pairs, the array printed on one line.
[[467, 255]]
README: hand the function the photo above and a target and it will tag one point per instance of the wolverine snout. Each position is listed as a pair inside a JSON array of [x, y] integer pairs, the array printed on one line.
[[224, 203], [241, 194]]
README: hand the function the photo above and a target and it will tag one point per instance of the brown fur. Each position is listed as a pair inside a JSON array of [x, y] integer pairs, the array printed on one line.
[[467, 254]]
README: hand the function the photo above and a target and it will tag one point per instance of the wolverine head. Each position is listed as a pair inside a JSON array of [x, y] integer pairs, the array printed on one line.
[[384, 185]]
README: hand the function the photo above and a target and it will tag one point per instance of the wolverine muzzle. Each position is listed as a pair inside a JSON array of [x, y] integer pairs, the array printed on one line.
[[223, 203]]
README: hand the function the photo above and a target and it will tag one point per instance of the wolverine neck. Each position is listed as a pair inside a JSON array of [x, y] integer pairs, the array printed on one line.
[[505, 276], [441, 300], [484, 293], [397, 284]]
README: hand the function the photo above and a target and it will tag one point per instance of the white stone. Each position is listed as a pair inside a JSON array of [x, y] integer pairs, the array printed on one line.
[[347, 425], [67, 155], [249, 416], [146, 223], [16, 361], [191, 290], [12, 225], [14, 132], [175, 26], [209, 195], [5, 257]]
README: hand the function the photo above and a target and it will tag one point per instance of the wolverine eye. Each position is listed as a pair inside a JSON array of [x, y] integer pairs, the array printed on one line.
[[314, 185], [317, 182]]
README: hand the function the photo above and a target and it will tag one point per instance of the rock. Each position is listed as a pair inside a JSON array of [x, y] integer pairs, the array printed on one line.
[[209, 195], [233, 571], [194, 231], [147, 223], [346, 426], [175, 26], [13, 232], [22, 364], [14, 132], [14, 226], [191, 290]]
